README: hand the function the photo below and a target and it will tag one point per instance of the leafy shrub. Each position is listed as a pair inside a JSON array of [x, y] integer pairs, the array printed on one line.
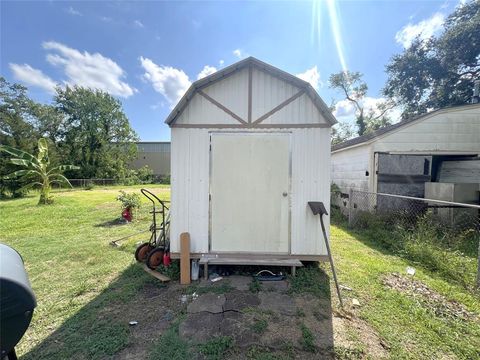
[[145, 175], [129, 200]]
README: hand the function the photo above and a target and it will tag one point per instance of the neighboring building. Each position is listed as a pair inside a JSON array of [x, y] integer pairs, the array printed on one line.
[[440, 146], [155, 154], [250, 149]]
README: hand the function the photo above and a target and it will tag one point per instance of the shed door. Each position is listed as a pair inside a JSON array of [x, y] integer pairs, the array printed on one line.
[[249, 189]]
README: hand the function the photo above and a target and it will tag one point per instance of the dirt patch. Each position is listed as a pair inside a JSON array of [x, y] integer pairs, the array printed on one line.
[[154, 308], [355, 338], [431, 299]]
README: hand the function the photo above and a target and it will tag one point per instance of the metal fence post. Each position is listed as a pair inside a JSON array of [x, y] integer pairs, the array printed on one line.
[[350, 205]]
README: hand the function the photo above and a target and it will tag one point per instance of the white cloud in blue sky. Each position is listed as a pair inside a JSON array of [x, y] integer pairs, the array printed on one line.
[[207, 70], [170, 82], [88, 70], [73, 11], [33, 77], [311, 76], [423, 29]]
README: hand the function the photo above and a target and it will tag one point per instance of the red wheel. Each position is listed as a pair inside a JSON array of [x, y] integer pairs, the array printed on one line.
[[142, 252], [155, 258]]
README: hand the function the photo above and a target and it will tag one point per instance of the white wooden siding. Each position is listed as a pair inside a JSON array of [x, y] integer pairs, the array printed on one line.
[[268, 92], [349, 167], [190, 176], [450, 131], [232, 92], [202, 111]]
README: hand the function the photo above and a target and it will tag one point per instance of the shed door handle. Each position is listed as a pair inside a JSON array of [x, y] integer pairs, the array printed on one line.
[[285, 194]]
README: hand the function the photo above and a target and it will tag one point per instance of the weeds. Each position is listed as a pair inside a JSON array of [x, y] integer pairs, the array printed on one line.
[[259, 326], [310, 279], [215, 348], [307, 341], [255, 286], [171, 345]]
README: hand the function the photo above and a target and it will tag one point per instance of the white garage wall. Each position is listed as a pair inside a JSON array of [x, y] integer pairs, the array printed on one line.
[[452, 131], [349, 166]]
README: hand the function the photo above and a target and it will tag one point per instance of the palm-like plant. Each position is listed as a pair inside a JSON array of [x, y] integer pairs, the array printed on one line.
[[37, 171]]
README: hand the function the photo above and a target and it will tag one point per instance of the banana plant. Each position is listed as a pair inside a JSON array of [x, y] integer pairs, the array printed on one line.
[[37, 171]]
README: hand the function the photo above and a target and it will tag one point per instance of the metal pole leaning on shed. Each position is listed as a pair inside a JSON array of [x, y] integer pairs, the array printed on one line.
[[318, 208]]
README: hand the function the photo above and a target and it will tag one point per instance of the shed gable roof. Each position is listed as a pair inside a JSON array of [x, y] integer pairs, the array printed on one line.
[[199, 87]]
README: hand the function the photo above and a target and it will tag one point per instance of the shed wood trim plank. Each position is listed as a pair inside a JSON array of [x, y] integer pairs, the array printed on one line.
[[222, 107], [185, 258], [250, 126], [279, 107], [250, 79]]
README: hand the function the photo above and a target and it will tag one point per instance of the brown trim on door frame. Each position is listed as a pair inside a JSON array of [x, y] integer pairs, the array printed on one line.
[[222, 107], [279, 107]]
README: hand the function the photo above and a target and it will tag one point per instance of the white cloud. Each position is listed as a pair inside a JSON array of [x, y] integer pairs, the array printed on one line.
[[88, 70], [311, 76], [33, 77], [73, 11], [424, 29], [106, 18], [238, 53], [138, 24], [344, 108], [221, 62], [207, 70], [172, 83]]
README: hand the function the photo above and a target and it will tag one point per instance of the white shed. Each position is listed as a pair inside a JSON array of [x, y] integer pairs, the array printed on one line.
[[250, 147], [440, 146]]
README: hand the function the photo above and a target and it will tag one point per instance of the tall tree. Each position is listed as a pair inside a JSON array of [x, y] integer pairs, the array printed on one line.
[[355, 90], [96, 132], [16, 113], [438, 72]]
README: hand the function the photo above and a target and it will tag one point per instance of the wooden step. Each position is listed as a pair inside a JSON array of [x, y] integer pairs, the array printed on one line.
[[249, 261]]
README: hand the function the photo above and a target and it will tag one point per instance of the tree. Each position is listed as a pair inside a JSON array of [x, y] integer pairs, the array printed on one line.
[[341, 132], [355, 90], [96, 134], [438, 72], [16, 129], [37, 170]]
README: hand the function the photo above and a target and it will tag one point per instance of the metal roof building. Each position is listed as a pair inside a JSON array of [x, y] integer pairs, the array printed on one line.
[[440, 146]]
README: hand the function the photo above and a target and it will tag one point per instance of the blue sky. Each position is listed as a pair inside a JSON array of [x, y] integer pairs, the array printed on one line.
[[147, 53]]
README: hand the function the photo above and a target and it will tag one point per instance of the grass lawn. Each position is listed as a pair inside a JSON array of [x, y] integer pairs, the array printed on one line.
[[83, 284]]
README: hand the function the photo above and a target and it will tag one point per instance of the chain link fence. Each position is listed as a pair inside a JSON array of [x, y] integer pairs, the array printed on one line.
[[449, 221], [92, 182]]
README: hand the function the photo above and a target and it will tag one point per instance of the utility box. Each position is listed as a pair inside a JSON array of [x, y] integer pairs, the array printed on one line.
[[454, 192]]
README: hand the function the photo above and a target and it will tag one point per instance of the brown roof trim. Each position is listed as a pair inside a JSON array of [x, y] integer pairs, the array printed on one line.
[[370, 137], [250, 62]]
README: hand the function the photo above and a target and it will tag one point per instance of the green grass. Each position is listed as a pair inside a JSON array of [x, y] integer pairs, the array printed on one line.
[[171, 346], [82, 283], [307, 341], [74, 271], [410, 328]]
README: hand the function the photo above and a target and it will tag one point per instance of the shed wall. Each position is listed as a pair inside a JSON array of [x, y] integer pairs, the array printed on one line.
[[190, 187]]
